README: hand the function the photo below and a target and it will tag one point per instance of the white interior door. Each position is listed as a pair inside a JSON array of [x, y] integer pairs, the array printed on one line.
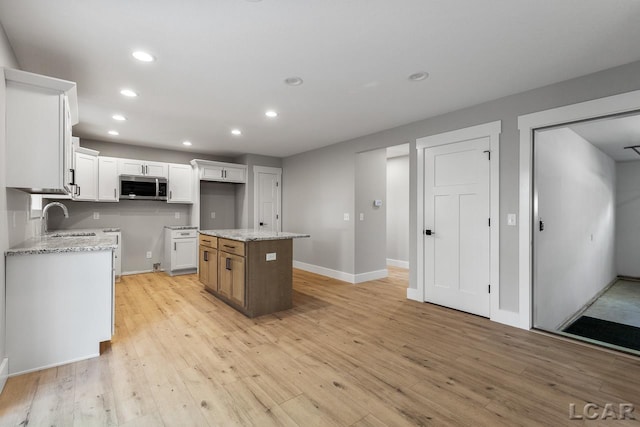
[[457, 212], [267, 198]]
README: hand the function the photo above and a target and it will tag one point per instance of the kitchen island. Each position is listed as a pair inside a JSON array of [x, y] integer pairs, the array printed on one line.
[[250, 270]]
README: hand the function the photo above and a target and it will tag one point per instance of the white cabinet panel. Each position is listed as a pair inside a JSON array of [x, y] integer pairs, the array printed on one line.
[[232, 174], [142, 168], [223, 172], [108, 180], [212, 173], [86, 174], [180, 184], [38, 129], [184, 254]]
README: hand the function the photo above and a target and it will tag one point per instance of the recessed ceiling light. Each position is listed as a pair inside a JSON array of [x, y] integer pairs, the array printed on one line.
[[271, 114], [293, 81], [143, 56], [187, 143], [129, 93], [119, 117], [236, 132], [114, 133], [416, 77]]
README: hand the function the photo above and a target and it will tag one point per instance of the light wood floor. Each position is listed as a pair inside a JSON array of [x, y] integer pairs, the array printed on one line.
[[360, 355]]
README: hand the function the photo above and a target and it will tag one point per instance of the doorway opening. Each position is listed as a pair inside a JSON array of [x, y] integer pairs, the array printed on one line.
[[586, 231], [397, 247]]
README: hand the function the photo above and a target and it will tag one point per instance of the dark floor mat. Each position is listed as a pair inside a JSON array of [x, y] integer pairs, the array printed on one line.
[[605, 331]]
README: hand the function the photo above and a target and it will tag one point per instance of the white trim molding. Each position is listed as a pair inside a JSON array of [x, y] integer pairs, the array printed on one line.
[[4, 373], [527, 124], [491, 130], [398, 263], [323, 271], [371, 275]]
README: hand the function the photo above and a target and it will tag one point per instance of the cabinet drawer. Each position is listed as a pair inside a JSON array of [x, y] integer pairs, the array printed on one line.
[[209, 241], [181, 234], [231, 246]]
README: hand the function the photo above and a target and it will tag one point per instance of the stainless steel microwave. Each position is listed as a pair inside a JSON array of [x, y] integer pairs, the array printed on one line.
[[142, 188]]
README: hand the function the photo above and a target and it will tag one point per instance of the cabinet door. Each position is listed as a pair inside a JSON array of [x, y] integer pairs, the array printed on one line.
[[212, 173], [130, 167], [235, 174], [86, 177], [180, 184], [184, 253], [117, 253], [108, 181], [203, 267], [231, 277], [212, 266], [155, 169]]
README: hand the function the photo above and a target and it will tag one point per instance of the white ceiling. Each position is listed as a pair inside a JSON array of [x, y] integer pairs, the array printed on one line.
[[221, 64], [612, 135]]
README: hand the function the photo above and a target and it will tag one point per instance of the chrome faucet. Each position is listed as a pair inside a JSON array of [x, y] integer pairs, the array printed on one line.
[[43, 217]]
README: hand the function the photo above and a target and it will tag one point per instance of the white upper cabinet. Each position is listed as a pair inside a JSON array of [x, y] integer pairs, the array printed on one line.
[[142, 168], [108, 180], [40, 112], [86, 175], [220, 171], [180, 184]]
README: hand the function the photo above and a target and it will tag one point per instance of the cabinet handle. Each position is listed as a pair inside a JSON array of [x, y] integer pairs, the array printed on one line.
[[228, 264], [78, 188], [115, 193], [73, 176], [206, 256], [170, 194], [230, 247], [175, 245], [117, 239], [142, 169]]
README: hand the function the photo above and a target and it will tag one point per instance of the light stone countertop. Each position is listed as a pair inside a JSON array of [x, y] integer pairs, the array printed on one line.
[[60, 241], [250, 235]]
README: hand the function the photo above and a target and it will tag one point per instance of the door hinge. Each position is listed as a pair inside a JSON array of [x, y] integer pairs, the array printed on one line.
[[489, 222], [489, 289], [488, 153], [277, 184], [277, 216]]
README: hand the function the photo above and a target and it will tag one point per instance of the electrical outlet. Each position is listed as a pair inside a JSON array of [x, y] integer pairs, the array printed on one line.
[[177, 215], [96, 215], [213, 215], [149, 255], [271, 256], [361, 216], [346, 217]]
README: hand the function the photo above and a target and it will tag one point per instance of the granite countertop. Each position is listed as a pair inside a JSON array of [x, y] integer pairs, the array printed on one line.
[[250, 235], [67, 241], [181, 227]]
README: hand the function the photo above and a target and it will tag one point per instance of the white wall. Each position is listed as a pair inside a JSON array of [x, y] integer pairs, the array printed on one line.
[[398, 211], [575, 254], [320, 183], [628, 218], [7, 229]]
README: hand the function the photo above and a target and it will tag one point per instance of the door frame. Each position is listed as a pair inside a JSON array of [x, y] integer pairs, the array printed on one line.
[[527, 124], [256, 191], [491, 130]]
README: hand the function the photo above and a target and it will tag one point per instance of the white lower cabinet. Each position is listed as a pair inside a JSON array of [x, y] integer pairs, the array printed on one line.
[[117, 254], [54, 315], [180, 251]]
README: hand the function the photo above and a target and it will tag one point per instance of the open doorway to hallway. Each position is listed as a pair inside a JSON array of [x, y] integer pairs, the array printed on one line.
[[586, 231]]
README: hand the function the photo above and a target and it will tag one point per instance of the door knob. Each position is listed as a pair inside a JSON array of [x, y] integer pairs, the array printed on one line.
[[429, 232]]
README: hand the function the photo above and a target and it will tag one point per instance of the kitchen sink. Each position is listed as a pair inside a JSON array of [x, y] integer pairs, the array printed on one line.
[[80, 234]]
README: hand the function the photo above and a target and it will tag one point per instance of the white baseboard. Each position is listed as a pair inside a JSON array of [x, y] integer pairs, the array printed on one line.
[[4, 373], [398, 263], [371, 275], [129, 273], [323, 271], [509, 318], [53, 365]]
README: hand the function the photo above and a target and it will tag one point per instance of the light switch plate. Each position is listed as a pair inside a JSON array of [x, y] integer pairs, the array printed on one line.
[[346, 217], [361, 216], [149, 255], [271, 256], [96, 215], [177, 215], [213, 215], [511, 219]]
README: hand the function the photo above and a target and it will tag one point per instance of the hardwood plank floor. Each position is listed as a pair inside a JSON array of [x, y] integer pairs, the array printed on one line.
[[345, 355]]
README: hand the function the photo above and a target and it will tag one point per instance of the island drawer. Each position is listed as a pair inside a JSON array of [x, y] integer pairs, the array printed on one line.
[[183, 234], [209, 241], [231, 246]]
